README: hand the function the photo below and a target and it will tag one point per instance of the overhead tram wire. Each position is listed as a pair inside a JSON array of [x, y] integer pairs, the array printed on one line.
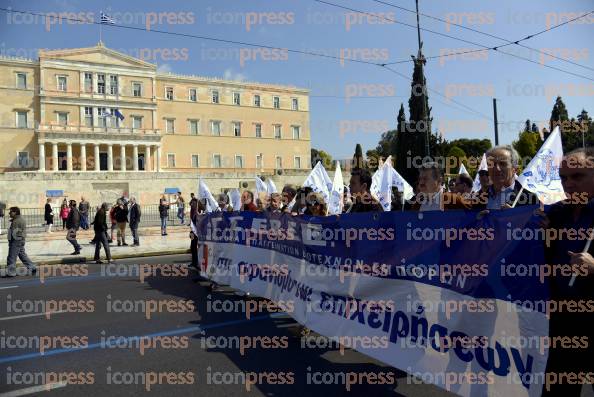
[[484, 47], [516, 42], [247, 44]]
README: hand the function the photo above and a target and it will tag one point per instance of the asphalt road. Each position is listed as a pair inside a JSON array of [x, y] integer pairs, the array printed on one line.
[[86, 321]]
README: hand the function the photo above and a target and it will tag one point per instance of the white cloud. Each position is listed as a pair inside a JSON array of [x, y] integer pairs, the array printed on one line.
[[231, 75], [164, 68]]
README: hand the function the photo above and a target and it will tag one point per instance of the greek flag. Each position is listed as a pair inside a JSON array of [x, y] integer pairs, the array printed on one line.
[[106, 19], [119, 115], [541, 176]]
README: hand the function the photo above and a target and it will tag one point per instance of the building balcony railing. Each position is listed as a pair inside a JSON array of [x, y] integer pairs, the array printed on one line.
[[78, 129]]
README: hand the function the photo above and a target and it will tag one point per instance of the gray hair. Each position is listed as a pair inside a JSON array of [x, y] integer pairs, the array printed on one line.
[[513, 153]]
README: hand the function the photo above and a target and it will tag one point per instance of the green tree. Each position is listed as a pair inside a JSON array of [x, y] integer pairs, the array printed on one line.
[[324, 157], [358, 159], [473, 147], [457, 157], [558, 114], [527, 144]]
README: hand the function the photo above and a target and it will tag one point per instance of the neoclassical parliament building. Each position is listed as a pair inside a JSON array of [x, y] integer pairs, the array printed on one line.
[[98, 122]]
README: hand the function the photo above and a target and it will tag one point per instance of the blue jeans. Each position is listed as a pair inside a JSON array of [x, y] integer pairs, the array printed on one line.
[[84, 221], [163, 225], [180, 214]]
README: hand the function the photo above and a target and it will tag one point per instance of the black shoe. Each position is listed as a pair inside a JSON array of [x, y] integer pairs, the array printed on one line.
[[110, 241], [136, 244], [75, 253], [119, 244], [124, 244], [164, 234], [34, 272], [99, 262]]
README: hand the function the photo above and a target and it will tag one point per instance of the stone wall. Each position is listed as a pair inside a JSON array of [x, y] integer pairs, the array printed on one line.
[[28, 189]]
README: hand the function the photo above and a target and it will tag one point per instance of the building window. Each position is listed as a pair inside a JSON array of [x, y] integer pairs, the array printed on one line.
[[136, 89], [238, 161], [193, 96], [296, 131], [257, 100], [279, 163], [62, 118], [170, 160], [297, 163], [216, 161], [113, 85], [62, 83], [23, 159], [169, 126], [101, 83], [236, 98], [236, 128], [21, 119], [258, 130], [259, 161], [215, 128], [115, 121], [295, 104], [276, 102], [215, 96], [88, 116], [169, 93], [103, 115], [195, 161], [88, 82], [277, 131], [136, 122], [21, 81], [193, 127]]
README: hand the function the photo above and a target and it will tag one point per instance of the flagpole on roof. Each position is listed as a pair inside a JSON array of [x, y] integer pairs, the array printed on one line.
[[100, 27]]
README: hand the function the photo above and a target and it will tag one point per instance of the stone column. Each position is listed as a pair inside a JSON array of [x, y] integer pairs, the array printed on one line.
[[55, 156], [135, 157], [69, 157], [83, 157], [158, 160], [147, 158], [123, 157], [97, 158], [109, 157], [42, 157]]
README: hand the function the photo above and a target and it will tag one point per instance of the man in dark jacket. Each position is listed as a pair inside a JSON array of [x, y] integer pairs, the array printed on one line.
[[134, 220], [17, 234], [568, 251], [121, 217], [359, 186], [73, 224], [100, 228]]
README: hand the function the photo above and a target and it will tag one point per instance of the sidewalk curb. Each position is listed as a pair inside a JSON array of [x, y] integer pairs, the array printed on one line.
[[90, 260]]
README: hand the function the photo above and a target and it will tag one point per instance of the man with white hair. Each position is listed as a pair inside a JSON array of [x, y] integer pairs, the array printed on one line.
[[503, 164]]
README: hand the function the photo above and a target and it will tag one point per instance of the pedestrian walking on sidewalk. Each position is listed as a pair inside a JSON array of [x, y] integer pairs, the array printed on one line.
[[73, 224], [134, 220], [83, 208], [100, 228], [193, 207], [48, 216], [163, 214], [64, 211], [121, 217], [17, 234], [112, 219], [181, 207]]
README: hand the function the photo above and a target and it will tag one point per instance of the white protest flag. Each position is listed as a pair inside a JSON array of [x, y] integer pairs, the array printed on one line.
[[204, 193], [541, 176], [384, 194], [319, 181], [483, 166], [260, 187], [376, 179], [271, 187], [235, 199], [402, 185], [336, 195], [463, 170]]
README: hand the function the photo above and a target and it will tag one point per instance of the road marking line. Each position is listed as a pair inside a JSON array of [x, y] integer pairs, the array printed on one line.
[[34, 389], [31, 315], [11, 286]]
